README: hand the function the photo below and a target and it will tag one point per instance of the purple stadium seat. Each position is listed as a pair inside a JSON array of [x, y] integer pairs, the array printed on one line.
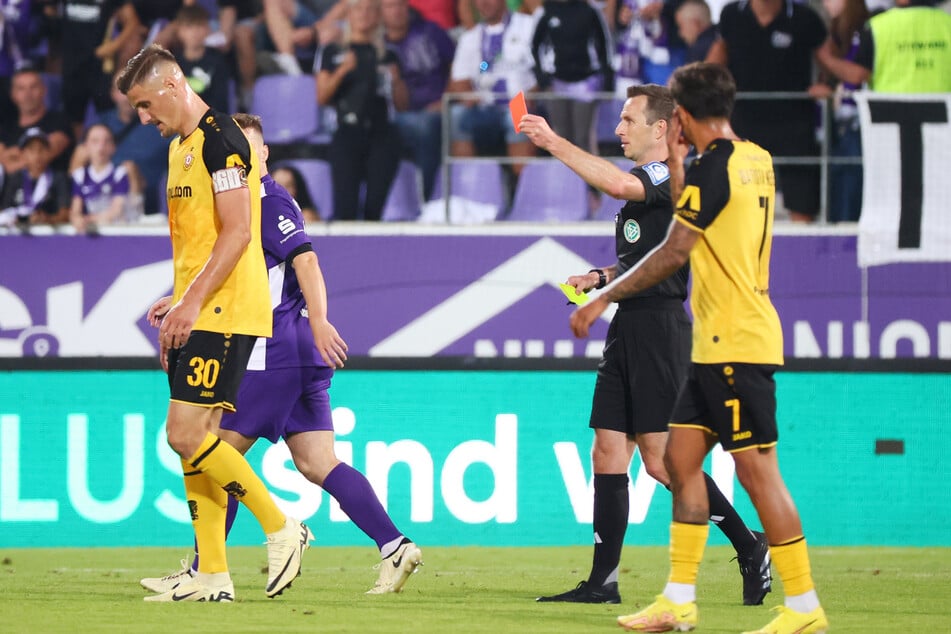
[[287, 106], [479, 181], [404, 200], [316, 175], [547, 190]]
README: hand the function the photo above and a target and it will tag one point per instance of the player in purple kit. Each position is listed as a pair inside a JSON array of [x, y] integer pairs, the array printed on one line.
[[425, 52], [284, 392]]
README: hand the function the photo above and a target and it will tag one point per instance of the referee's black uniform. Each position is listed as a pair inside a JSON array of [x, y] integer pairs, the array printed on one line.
[[647, 350]]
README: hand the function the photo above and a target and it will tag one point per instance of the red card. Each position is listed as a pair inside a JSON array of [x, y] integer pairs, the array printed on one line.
[[518, 109]]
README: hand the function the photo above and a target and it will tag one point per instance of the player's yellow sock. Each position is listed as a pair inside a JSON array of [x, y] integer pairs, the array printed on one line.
[[791, 559], [225, 465], [208, 505], [687, 542]]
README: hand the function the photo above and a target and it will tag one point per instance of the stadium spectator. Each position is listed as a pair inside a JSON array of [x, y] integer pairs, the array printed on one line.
[[119, 26], [102, 191], [219, 309], [157, 19], [696, 29], [295, 368], [769, 46], [14, 43], [646, 354], [649, 47], [88, 54], [237, 22], [848, 18], [290, 25], [493, 58], [362, 79], [904, 50], [425, 54], [289, 177], [572, 60], [28, 93], [206, 68], [141, 145], [445, 13], [35, 193]]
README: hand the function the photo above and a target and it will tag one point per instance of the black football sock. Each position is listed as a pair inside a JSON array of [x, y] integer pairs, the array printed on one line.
[[728, 520], [611, 507]]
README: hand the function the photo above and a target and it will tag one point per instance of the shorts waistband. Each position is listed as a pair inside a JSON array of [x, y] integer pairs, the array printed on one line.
[[650, 303]]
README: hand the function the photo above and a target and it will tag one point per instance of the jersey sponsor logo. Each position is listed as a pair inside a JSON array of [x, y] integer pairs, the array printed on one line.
[[178, 191], [689, 204], [658, 172], [189, 160], [228, 179], [632, 231], [285, 225]]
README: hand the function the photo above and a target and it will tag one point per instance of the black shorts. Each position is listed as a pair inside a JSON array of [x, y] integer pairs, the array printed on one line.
[[645, 360], [734, 401], [208, 369]]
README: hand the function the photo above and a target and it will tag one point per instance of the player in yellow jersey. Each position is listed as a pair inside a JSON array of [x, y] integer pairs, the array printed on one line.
[[723, 224], [220, 305]]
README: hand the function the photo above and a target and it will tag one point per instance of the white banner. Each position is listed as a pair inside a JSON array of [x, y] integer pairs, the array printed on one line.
[[906, 148]]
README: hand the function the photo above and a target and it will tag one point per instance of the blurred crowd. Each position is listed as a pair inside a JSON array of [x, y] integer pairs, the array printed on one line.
[[72, 149]]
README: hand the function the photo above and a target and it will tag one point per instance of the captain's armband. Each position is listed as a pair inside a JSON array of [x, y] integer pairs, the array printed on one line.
[[229, 178]]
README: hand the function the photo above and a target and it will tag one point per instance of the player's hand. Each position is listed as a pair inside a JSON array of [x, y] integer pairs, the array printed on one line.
[[330, 345], [583, 283], [157, 311], [163, 356], [537, 130], [586, 315], [177, 324]]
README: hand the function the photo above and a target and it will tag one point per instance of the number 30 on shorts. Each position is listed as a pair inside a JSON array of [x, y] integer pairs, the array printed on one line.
[[204, 372]]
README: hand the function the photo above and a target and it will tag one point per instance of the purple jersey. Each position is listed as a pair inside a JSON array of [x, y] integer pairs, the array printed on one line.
[[425, 56], [98, 188], [283, 237]]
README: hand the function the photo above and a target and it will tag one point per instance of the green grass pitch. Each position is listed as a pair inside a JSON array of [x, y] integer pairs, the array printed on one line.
[[469, 589]]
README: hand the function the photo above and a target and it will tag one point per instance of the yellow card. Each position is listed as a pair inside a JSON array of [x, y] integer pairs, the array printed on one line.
[[574, 296]]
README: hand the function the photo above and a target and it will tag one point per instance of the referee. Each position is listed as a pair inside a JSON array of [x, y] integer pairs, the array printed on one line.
[[647, 351]]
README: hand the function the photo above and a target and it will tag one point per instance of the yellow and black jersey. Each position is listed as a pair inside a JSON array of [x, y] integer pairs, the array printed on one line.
[[215, 158], [728, 196]]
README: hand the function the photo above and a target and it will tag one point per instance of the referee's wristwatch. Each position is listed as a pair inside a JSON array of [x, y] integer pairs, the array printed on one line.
[[602, 278]]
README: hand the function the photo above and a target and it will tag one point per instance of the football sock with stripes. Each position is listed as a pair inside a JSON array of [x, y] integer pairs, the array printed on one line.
[[611, 508], [207, 503], [230, 470], [728, 520], [358, 500]]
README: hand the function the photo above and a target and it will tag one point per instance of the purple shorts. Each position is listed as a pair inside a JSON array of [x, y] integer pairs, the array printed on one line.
[[276, 403]]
